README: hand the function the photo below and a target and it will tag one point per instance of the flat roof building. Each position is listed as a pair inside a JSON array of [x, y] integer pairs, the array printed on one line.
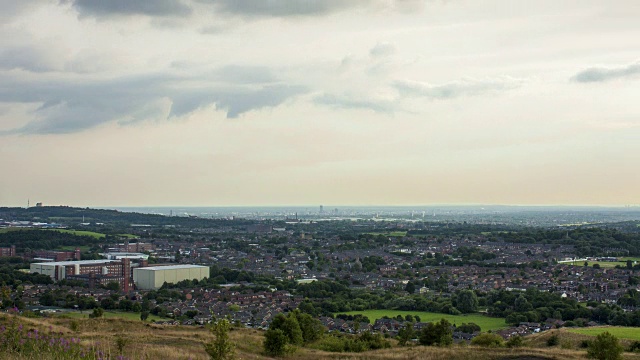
[[151, 278], [91, 271], [124, 255]]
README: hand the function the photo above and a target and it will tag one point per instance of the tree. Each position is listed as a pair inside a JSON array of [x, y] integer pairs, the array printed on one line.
[[221, 348], [437, 333], [312, 329], [136, 307], [406, 334], [291, 329], [275, 342], [522, 304], [113, 286], [605, 347], [410, 288], [467, 301]]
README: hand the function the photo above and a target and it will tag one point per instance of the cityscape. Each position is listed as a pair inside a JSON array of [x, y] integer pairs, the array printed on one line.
[[319, 180]]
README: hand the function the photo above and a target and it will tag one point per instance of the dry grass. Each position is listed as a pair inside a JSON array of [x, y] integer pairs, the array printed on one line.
[[148, 341]]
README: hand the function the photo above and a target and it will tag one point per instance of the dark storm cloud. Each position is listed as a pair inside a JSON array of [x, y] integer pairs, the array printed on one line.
[[601, 74], [131, 7], [68, 106]]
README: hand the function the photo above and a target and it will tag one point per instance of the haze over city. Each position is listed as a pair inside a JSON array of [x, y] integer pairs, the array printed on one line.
[[360, 102]]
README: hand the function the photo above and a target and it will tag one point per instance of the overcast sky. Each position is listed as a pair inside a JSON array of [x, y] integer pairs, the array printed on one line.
[[306, 102]]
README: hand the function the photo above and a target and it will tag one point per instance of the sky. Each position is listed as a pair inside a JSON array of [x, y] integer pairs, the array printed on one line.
[[306, 102]]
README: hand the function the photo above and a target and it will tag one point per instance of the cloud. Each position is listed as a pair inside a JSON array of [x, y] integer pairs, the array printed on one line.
[[25, 58], [68, 106], [382, 50], [351, 102], [455, 89], [601, 74], [157, 8], [283, 8]]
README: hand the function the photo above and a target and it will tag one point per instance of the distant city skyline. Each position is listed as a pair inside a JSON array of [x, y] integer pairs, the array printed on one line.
[[352, 103]]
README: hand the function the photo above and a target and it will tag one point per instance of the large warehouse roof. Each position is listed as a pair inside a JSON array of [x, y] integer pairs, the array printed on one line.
[[171, 267]]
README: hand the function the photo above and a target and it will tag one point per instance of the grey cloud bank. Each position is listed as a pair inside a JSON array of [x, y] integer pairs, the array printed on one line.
[[601, 74], [71, 106], [131, 7]]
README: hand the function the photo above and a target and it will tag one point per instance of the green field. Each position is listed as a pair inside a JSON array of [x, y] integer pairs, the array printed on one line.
[[72, 248], [128, 236], [608, 264], [111, 314], [485, 322], [631, 333], [81, 233]]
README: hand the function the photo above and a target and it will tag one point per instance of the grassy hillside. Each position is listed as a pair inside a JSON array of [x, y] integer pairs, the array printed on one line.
[[148, 341]]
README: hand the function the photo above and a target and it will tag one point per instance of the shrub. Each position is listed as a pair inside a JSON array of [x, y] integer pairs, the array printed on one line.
[[605, 347], [488, 340], [634, 347], [584, 344], [515, 341], [553, 340]]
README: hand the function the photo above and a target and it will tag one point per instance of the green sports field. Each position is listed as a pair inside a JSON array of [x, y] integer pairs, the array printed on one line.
[[485, 322], [631, 333]]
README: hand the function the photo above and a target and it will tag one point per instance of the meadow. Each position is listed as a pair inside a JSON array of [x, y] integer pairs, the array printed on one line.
[[486, 323], [608, 264], [631, 333]]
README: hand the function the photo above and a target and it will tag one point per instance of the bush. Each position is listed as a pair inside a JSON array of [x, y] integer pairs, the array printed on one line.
[[585, 344], [515, 341], [634, 347], [347, 343], [605, 347], [553, 340], [488, 340]]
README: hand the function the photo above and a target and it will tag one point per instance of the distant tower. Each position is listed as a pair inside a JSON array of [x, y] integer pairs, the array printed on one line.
[[321, 209]]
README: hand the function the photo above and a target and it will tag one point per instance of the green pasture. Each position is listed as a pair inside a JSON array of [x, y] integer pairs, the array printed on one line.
[[128, 236], [607, 264], [81, 233], [631, 333], [72, 248], [486, 323]]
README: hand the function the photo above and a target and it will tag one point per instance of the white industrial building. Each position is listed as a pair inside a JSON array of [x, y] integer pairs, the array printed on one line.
[[151, 278], [124, 255]]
